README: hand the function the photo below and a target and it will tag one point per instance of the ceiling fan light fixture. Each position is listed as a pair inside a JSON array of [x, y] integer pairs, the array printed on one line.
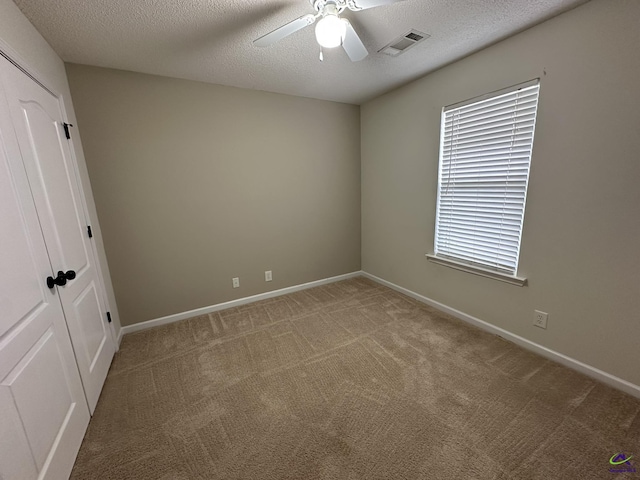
[[330, 31]]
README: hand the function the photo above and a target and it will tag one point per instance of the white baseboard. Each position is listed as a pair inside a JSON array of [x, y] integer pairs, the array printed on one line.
[[588, 370], [233, 303]]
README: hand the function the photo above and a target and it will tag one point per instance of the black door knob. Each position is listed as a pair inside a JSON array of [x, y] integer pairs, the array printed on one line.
[[70, 275], [61, 279]]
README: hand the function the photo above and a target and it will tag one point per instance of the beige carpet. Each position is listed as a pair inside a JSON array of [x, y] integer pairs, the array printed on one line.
[[348, 381]]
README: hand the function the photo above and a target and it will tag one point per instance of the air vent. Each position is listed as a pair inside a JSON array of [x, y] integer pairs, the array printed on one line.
[[403, 43], [414, 36]]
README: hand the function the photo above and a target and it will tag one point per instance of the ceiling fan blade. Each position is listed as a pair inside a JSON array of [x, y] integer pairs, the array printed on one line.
[[353, 45], [356, 5], [285, 31]]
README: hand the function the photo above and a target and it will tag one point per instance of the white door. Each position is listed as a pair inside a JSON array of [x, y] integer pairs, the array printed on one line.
[[43, 410], [37, 120]]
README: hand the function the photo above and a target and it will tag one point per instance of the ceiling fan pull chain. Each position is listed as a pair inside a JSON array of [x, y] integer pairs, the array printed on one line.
[[321, 55]]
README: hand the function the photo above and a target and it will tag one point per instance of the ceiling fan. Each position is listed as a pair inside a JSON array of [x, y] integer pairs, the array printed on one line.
[[331, 31]]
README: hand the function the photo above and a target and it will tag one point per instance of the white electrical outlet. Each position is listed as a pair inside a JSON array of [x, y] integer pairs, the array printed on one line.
[[540, 319], [236, 282], [268, 276]]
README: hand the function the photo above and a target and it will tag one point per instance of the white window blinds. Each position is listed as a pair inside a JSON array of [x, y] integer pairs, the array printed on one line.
[[485, 154]]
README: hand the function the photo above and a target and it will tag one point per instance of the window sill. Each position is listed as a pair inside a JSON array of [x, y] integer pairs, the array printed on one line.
[[502, 277]]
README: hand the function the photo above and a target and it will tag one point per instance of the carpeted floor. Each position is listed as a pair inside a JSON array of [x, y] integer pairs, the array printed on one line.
[[348, 381]]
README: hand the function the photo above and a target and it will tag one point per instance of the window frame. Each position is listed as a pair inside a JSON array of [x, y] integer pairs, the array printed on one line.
[[461, 264]]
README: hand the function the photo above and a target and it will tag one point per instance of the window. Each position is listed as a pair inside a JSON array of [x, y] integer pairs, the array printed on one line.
[[485, 153]]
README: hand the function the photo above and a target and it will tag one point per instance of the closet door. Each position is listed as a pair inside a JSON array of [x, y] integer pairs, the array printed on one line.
[[46, 153], [43, 411]]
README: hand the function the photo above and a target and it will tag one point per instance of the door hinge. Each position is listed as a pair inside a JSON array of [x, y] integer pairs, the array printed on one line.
[[66, 130], [109, 317], [89, 231]]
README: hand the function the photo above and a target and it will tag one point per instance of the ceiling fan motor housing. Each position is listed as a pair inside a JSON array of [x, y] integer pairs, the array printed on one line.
[[328, 7], [331, 30]]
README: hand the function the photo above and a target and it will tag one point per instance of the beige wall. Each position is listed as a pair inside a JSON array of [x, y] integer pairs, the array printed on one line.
[[581, 238], [20, 40], [197, 183]]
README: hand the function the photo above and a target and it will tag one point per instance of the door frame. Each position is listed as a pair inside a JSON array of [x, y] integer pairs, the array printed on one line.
[[14, 58]]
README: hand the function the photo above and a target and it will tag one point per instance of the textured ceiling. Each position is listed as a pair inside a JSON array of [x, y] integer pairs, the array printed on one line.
[[211, 41]]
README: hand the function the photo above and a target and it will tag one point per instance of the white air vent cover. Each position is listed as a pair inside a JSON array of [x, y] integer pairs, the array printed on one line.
[[403, 43]]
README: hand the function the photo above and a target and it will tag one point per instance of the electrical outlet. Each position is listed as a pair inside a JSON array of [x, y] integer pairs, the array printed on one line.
[[268, 276], [540, 319], [236, 282]]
